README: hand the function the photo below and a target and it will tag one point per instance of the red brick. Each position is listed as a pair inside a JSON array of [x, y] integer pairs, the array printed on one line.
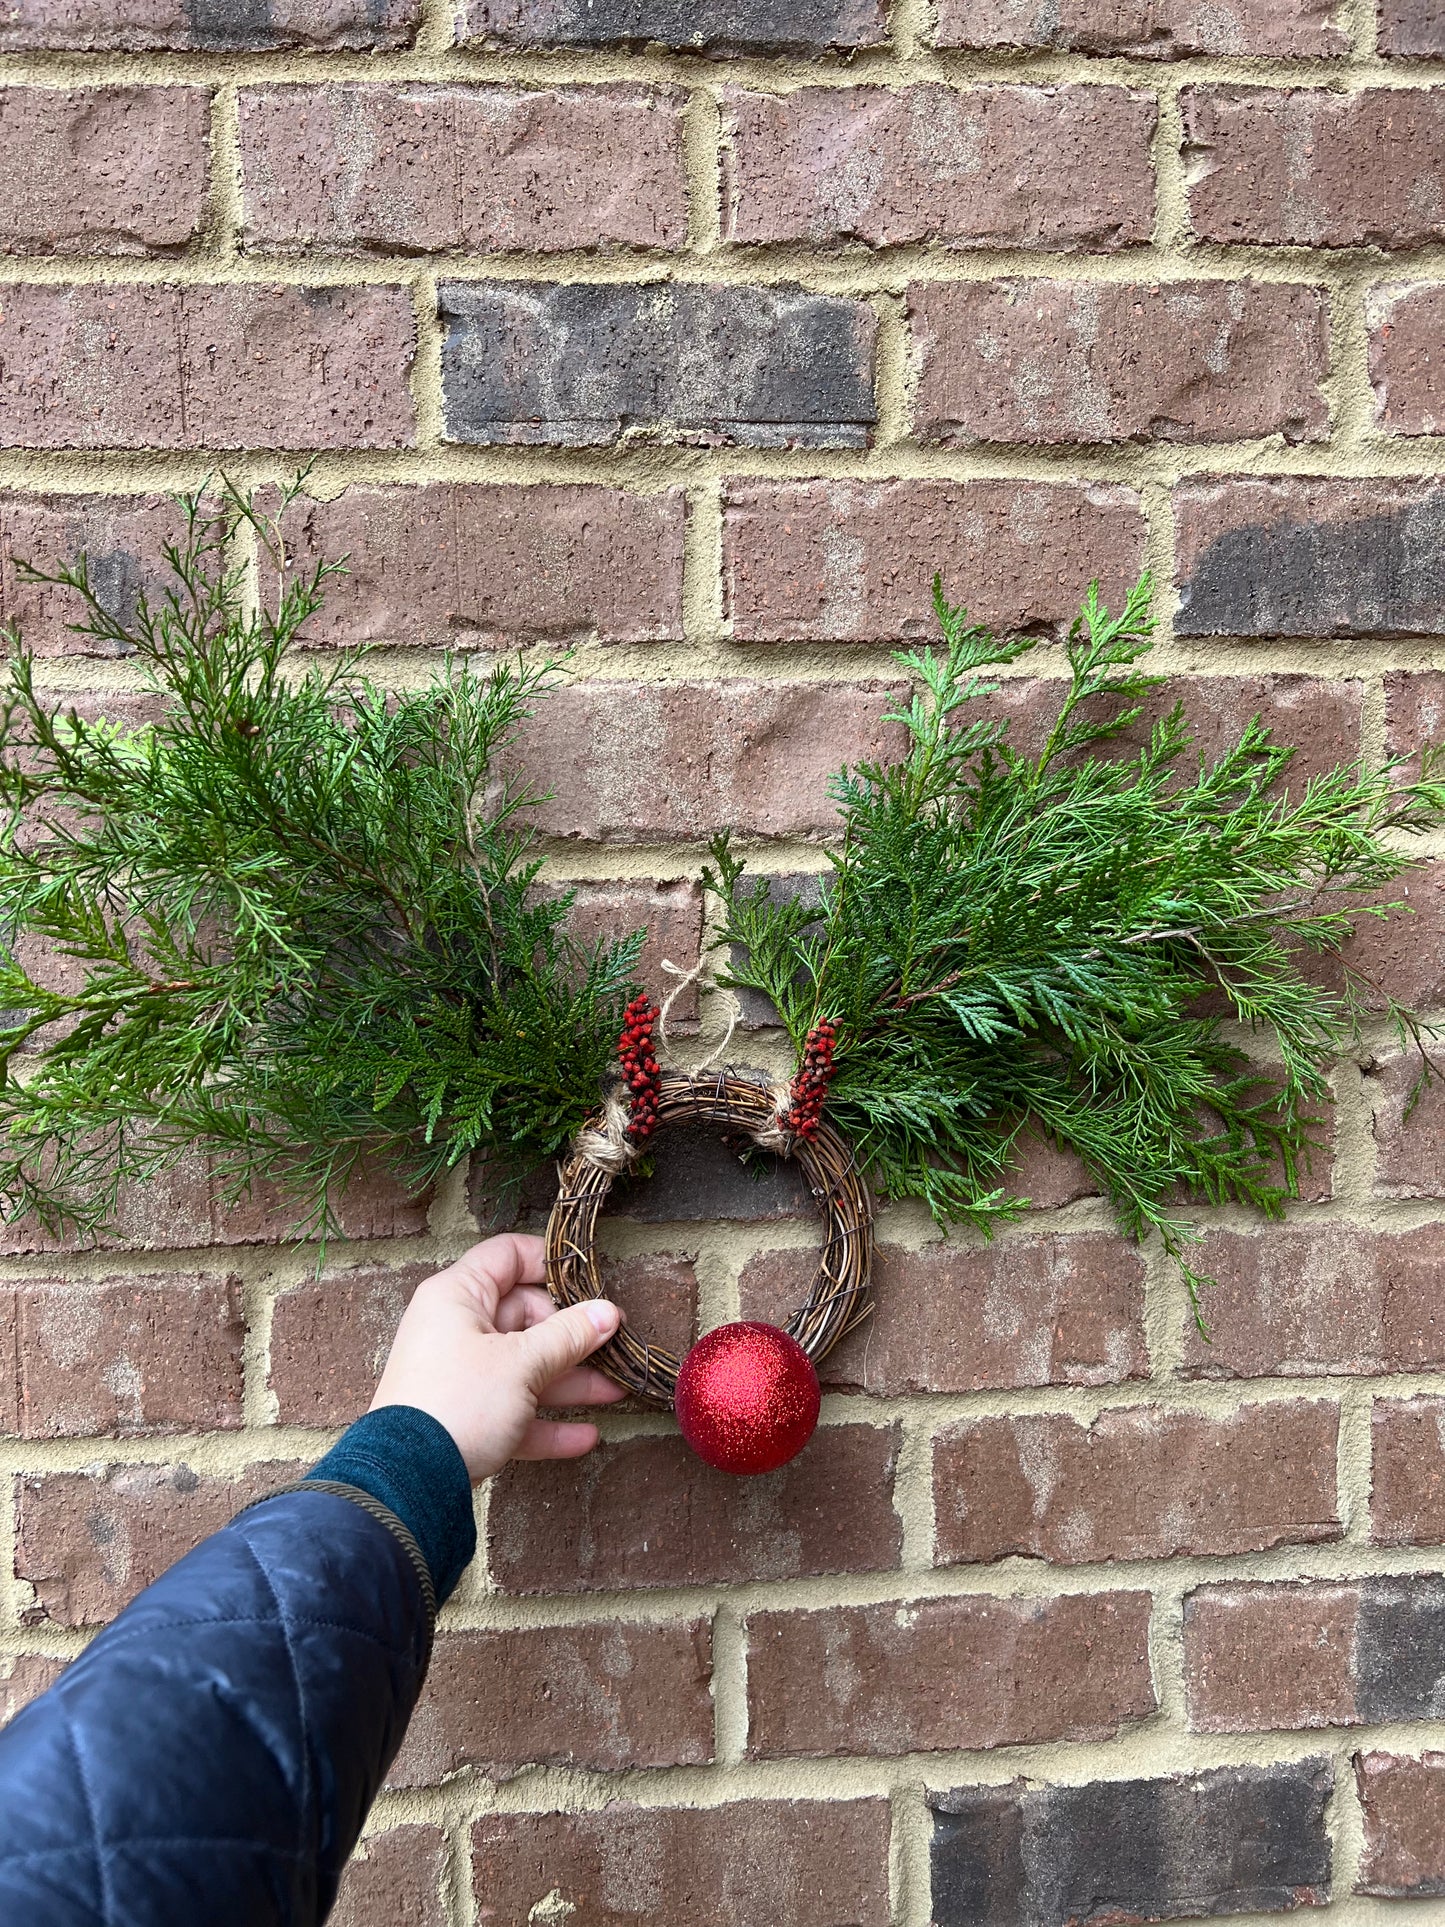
[[1307, 167], [719, 27], [129, 1355], [1139, 1483], [1303, 1301], [612, 1697], [186, 1208], [478, 566], [1409, 1151], [645, 1512], [121, 537], [634, 761], [1403, 1801], [1402, 956], [90, 1541], [394, 1879], [1151, 29], [330, 1338], [102, 170], [1089, 361], [846, 561], [1005, 167], [140, 26], [381, 168], [753, 1863], [1308, 556], [1414, 709], [1407, 360], [238, 366], [998, 1672], [1064, 1310], [24, 1679], [1262, 1656], [1407, 1484], [1412, 28], [671, 914]]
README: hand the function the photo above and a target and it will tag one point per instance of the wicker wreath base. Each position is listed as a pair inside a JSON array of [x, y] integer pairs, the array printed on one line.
[[839, 1298]]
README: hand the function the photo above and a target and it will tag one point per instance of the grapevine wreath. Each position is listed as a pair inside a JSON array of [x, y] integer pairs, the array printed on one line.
[[298, 926]]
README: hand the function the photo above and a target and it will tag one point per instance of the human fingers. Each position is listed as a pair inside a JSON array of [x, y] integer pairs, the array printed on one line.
[[582, 1386], [497, 1266], [564, 1340], [524, 1305], [548, 1438]]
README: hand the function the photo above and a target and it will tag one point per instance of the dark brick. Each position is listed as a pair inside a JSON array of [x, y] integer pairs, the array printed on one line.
[[121, 538], [1141, 1482], [1404, 1807], [753, 1863], [1311, 557], [1148, 29], [1413, 29], [1064, 1310], [709, 26], [229, 26], [646, 1512], [233, 366], [1309, 167], [848, 561], [610, 1697], [1238, 1840], [461, 565], [632, 762], [700, 1177], [1348, 1653], [582, 363], [394, 1879], [363, 168], [1407, 1471], [1095, 362], [1003, 167], [90, 1541], [1304, 1301], [1407, 366], [124, 1356], [102, 170], [999, 1672]]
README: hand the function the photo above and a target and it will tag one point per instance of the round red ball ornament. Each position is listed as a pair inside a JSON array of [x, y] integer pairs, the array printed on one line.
[[747, 1398]]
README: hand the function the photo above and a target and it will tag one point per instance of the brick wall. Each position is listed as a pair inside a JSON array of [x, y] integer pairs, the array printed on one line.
[[695, 337]]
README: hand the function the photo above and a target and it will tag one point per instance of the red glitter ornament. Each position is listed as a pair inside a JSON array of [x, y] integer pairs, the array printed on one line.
[[747, 1397]]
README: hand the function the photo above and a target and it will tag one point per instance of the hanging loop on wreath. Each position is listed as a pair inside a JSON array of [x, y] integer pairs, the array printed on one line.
[[742, 1101]]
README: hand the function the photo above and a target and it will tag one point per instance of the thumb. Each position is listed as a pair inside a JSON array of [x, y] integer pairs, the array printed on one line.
[[565, 1339]]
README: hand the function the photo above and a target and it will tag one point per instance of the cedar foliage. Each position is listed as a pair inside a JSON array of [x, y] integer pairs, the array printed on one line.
[[302, 912], [1081, 939]]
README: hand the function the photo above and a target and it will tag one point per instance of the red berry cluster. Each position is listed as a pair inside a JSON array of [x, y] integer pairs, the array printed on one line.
[[810, 1087], [639, 1068]]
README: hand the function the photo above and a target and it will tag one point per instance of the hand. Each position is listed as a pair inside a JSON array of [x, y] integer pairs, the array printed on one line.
[[481, 1346]]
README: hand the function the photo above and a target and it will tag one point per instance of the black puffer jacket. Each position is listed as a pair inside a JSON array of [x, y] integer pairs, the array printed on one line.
[[212, 1755]]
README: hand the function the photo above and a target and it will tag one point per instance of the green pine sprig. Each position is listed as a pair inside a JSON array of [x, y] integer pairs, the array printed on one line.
[[1080, 940], [296, 918]]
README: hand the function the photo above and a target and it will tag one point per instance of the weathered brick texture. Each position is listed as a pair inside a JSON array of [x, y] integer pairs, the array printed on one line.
[[1306, 167], [205, 367], [1407, 1488], [1149, 29], [1200, 361], [711, 26], [106, 170], [206, 26], [395, 1876], [995, 167], [1412, 28], [1404, 1807], [772, 1863], [1001, 1672], [1139, 1483], [577, 363], [1407, 363], [1242, 1839], [375, 168]]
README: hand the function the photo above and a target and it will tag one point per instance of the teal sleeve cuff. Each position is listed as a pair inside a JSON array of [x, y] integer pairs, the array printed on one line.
[[409, 1461]]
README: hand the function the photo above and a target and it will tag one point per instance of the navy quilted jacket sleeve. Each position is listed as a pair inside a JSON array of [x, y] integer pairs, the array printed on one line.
[[212, 1755]]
